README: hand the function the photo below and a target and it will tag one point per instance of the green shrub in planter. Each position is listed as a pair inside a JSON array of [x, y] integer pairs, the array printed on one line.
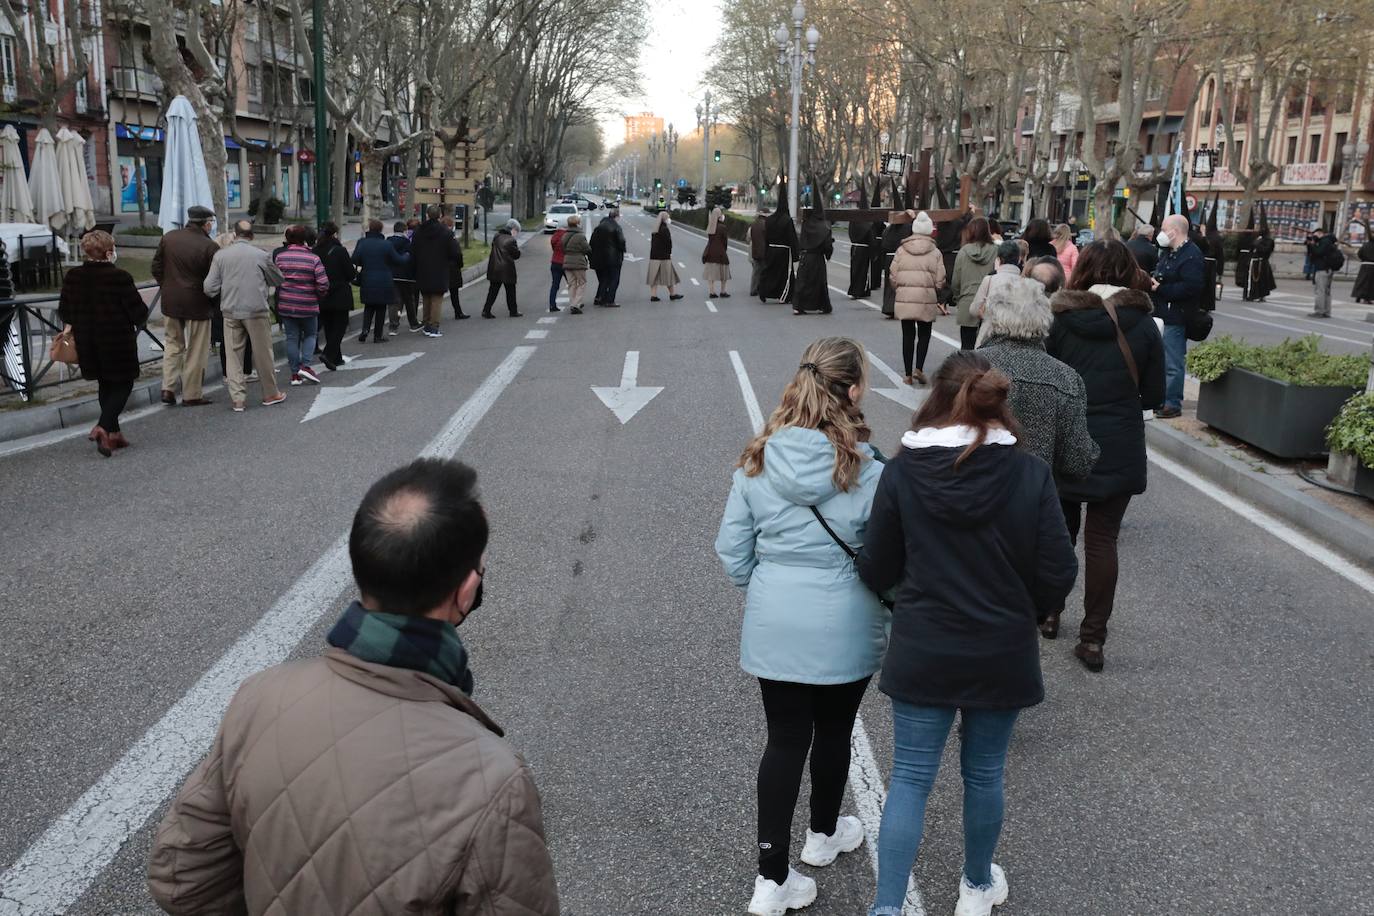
[[272, 212], [1300, 362], [140, 230], [1353, 429]]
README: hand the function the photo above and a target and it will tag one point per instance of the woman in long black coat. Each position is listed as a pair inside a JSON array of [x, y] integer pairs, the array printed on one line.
[[338, 302], [1085, 337], [817, 243], [102, 310]]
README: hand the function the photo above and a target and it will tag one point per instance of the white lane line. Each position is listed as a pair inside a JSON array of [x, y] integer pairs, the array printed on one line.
[[58, 868], [536, 335], [865, 779], [681, 266], [1290, 329], [1318, 324], [1290, 536], [548, 320], [695, 281], [877, 308], [711, 306]]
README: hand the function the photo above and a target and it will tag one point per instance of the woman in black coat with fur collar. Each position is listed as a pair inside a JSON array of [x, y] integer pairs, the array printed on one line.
[[1085, 336], [103, 311]]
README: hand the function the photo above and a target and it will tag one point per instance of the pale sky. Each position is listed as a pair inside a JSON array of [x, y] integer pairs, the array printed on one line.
[[671, 64]]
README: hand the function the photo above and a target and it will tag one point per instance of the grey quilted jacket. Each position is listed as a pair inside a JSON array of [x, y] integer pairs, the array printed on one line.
[[1050, 402], [337, 786]]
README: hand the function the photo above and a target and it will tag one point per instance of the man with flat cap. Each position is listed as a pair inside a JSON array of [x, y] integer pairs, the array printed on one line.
[[181, 265]]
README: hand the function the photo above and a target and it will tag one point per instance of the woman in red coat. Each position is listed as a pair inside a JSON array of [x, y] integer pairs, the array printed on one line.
[[103, 310]]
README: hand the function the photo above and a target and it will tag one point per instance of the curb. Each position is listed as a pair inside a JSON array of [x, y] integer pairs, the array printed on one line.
[[1236, 477]]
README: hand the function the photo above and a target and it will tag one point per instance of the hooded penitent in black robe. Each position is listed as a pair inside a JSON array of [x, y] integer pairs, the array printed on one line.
[[1261, 274], [877, 261], [817, 245], [775, 282], [860, 254], [1364, 280], [895, 234]]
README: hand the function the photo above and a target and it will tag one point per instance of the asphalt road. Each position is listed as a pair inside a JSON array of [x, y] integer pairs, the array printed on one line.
[[1220, 765]]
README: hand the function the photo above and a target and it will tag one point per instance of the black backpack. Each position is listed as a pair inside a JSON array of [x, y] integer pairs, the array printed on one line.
[[1336, 259]]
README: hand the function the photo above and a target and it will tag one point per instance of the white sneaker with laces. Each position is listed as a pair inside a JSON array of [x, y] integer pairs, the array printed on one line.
[[976, 901], [773, 899], [821, 850]]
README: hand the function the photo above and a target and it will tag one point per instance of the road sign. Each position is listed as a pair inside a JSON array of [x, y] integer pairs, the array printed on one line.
[[1191, 201]]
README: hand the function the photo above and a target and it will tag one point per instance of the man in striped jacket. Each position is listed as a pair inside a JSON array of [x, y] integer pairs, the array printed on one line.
[[304, 284]]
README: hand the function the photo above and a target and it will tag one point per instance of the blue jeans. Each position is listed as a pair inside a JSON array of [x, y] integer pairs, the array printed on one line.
[[556, 274], [919, 734], [300, 339], [1175, 355]]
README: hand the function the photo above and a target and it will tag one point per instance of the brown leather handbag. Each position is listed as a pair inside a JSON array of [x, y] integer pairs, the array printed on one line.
[[63, 349]]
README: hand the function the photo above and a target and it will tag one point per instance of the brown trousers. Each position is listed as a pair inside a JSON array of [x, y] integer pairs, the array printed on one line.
[[1100, 560]]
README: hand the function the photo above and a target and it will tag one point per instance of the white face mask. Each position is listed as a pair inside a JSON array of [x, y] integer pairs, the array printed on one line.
[[668, 221], [114, 256], [1163, 240]]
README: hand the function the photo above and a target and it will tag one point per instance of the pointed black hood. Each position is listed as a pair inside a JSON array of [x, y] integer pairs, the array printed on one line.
[[1264, 221], [859, 229]]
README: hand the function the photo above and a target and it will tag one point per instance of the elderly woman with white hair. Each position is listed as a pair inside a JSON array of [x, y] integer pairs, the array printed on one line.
[[1048, 397]]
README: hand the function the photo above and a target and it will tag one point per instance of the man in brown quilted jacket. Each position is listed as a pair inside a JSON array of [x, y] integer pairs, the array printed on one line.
[[367, 781]]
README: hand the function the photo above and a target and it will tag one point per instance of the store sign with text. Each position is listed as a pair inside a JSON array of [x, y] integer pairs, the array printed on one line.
[[1307, 173]]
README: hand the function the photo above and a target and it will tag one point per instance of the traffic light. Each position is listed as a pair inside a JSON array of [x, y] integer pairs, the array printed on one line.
[[658, 183], [717, 155]]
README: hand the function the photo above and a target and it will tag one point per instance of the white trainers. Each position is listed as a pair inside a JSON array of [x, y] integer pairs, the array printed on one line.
[[975, 901], [821, 850], [773, 899]]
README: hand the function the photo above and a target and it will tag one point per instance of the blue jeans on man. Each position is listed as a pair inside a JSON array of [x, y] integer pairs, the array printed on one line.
[[300, 333], [919, 735], [607, 283], [1175, 357]]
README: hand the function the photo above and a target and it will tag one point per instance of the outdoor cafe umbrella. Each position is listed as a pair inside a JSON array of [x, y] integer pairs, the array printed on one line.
[[16, 205], [71, 171], [45, 184], [185, 182]]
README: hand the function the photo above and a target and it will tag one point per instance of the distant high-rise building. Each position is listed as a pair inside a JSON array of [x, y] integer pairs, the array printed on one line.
[[641, 125]]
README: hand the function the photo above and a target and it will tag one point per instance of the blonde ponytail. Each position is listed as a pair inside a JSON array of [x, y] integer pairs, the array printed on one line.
[[818, 398]]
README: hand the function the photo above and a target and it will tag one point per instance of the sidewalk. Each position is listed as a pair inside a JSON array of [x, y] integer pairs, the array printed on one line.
[[1345, 523]]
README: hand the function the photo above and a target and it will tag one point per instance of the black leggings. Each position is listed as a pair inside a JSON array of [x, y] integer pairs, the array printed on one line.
[[113, 396], [968, 337], [797, 713], [910, 330]]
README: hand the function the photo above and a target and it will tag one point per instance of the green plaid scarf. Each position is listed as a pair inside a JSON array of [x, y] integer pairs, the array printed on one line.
[[402, 641]]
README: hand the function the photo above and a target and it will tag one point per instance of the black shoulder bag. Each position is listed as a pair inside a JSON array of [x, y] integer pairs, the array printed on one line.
[[849, 551]]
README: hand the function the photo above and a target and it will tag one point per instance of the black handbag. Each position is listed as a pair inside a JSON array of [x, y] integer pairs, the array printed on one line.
[[849, 551], [1197, 323]]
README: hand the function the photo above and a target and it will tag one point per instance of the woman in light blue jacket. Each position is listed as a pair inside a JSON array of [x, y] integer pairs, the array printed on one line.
[[813, 633]]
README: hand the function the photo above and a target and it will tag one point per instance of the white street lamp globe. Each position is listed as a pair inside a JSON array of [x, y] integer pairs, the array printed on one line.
[[1348, 150], [812, 37], [1362, 150], [780, 36], [798, 13]]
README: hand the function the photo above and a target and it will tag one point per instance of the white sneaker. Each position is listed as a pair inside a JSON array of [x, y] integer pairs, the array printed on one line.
[[821, 850], [975, 901], [772, 899]]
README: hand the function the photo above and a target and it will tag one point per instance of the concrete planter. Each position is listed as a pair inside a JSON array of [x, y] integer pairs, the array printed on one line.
[[126, 240], [1283, 419], [1364, 481]]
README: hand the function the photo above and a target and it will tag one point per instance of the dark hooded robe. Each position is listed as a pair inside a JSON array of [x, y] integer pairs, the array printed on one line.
[[860, 252], [1254, 275], [1364, 280], [776, 280], [877, 261], [1214, 254], [817, 243]]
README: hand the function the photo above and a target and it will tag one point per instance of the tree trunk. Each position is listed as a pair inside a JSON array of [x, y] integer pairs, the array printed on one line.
[[343, 168], [372, 184]]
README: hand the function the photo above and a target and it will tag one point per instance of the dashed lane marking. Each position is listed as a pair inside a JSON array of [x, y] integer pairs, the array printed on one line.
[[536, 335], [70, 855], [711, 306], [548, 320], [695, 281], [865, 779]]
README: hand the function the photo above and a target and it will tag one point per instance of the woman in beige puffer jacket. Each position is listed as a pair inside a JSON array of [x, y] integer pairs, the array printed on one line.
[[917, 272]]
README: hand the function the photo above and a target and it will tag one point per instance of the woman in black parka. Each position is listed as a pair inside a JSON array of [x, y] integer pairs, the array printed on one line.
[[1084, 335]]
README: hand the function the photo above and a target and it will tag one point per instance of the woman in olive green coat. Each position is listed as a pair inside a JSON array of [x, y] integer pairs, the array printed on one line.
[[970, 267]]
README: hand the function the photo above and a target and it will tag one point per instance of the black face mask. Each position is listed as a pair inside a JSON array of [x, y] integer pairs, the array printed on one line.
[[477, 596]]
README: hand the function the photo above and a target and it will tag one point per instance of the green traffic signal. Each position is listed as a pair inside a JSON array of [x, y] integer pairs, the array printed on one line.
[[717, 155]]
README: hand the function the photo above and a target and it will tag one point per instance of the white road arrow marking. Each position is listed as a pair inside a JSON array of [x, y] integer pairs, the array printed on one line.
[[630, 398], [901, 392], [632, 258], [332, 399]]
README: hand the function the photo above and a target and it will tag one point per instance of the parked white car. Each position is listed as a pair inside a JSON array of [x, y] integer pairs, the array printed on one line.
[[557, 217]]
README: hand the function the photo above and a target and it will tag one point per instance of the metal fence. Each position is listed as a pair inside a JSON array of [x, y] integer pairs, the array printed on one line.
[[27, 329]]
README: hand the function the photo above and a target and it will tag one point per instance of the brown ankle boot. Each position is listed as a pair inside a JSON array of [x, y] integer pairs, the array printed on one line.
[[102, 442], [1090, 654], [118, 441]]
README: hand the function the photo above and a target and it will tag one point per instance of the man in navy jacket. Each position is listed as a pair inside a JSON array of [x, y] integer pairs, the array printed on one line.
[[1180, 281]]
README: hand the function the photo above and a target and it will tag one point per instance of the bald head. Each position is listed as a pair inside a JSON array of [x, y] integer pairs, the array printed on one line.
[[1049, 273], [1177, 227]]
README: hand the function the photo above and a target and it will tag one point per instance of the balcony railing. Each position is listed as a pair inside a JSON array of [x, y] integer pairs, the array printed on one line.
[[131, 82]]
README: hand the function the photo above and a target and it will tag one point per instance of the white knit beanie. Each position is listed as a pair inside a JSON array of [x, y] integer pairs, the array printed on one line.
[[923, 225]]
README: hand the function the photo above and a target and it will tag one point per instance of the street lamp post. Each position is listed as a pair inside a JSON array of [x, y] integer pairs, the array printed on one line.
[[790, 54], [654, 146], [706, 117], [1354, 154], [670, 138]]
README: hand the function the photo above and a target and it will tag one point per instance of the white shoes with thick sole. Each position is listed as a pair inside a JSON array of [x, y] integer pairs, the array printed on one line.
[[974, 901], [821, 850], [773, 899]]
